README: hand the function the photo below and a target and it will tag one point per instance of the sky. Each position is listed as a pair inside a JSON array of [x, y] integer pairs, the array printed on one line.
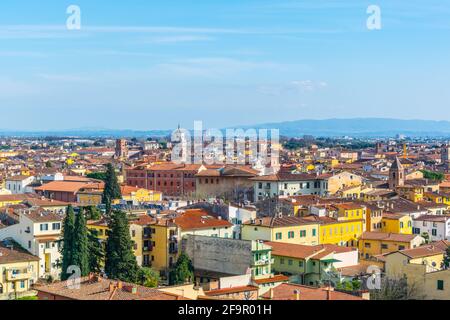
[[146, 64]]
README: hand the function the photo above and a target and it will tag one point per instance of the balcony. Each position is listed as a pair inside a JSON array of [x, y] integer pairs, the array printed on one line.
[[18, 274], [263, 262]]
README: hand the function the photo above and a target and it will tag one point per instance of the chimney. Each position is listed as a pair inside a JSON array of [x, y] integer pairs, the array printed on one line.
[[271, 293], [297, 295], [329, 290]]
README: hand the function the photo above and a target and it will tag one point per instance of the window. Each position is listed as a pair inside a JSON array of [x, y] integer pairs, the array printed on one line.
[[440, 284], [302, 233], [281, 261], [56, 226], [401, 247], [434, 232], [260, 185], [44, 227], [367, 245], [300, 264], [291, 235], [278, 236], [384, 246], [314, 232], [22, 284], [290, 262]]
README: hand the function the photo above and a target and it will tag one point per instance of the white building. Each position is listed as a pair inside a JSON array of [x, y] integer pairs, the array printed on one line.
[[237, 216], [289, 184], [437, 227], [38, 232], [18, 184]]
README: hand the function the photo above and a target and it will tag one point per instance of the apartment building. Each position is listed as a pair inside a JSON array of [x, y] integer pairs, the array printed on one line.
[[39, 232]]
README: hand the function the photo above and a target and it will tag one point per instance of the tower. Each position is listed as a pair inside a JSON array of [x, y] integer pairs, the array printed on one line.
[[445, 156], [396, 175], [121, 149]]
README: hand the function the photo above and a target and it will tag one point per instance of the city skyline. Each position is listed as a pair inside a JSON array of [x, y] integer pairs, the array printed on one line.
[[141, 66]]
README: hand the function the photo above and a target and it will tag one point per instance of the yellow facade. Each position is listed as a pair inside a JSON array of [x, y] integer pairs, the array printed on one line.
[[143, 195], [89, 198], [369, 247], [306, 234], [401, 225], [16, 277], [424, 276], [161, 255], [4, 203], [343, 233]]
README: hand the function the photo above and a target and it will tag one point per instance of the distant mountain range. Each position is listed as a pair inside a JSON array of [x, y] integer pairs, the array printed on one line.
[[361, 127], [358, 127]]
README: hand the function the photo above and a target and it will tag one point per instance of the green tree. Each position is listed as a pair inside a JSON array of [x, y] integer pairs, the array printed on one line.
[[96, 252], [120, 262], [97, 175], [148, 277], [80, 254], [67, 242], [447, 258], [183, 271], [93, 213], [48, 164], [112, 188]]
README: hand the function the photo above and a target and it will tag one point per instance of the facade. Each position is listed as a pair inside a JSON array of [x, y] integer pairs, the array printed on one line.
[[396, 223], [230, 182], [312, 265], [18, 184], [282, 229], [423, 269], [378, 243], [139, 195], [170, 179], [18, 271], [437, 227], [38, 232]]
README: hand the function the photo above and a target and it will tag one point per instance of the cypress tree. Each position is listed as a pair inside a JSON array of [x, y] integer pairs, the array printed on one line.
[[96, 252], [67, 242], [183, 271], [112, 188], [80, 254], [120, 262]]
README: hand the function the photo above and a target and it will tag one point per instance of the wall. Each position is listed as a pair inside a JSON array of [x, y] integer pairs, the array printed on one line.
[[219, 255]]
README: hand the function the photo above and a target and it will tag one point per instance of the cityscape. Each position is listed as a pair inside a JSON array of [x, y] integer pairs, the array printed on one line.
[[205, 162]]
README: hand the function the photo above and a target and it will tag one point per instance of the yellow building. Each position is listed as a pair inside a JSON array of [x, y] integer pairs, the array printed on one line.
[[341, 233], [134, 194], [89, 197], [423, 268], [162, 237], [374, 217], [12, 199], [377, 243], [19, 271], [438, 198], [396, 223], [285, 229], [412, 193]]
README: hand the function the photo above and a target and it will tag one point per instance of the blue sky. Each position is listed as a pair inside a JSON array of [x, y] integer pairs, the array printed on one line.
[[142, 64]]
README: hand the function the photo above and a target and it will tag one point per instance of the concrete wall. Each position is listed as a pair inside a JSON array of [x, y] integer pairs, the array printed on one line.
[[218, 254]]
